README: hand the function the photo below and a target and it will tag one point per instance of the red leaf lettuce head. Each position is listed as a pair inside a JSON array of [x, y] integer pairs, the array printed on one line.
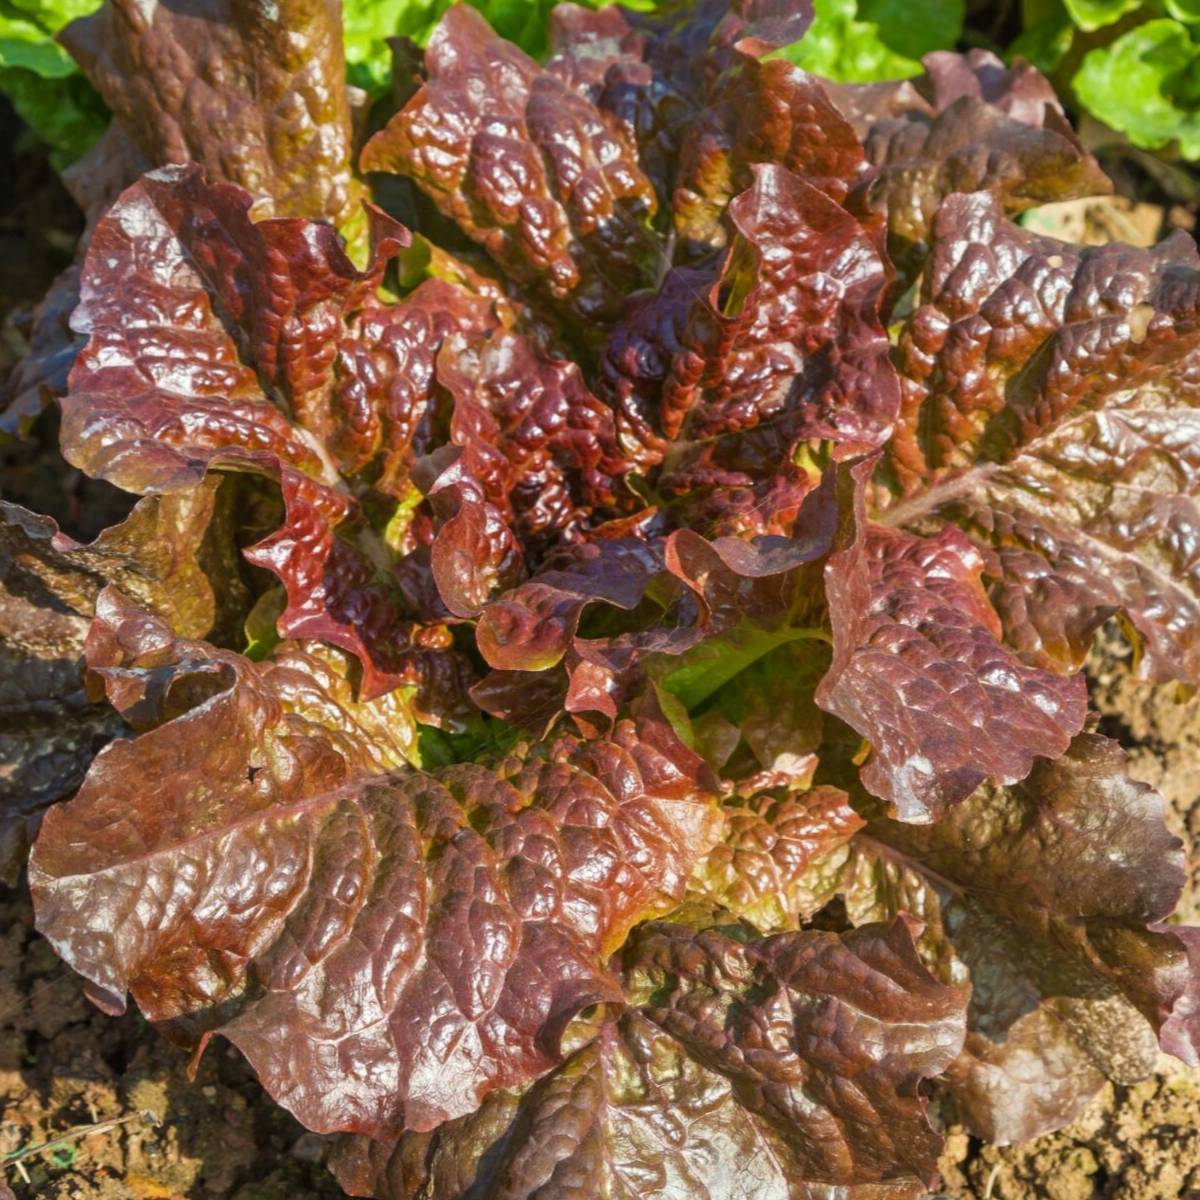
[[647, 686]]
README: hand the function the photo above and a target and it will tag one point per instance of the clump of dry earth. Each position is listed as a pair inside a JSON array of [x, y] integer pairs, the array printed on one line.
[[64, 1065]]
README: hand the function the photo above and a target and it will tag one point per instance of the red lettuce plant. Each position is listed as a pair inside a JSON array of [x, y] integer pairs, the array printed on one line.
[[598, 690]]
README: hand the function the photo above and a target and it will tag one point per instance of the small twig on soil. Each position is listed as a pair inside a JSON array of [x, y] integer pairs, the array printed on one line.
[[991, 1183], [14, 1157]]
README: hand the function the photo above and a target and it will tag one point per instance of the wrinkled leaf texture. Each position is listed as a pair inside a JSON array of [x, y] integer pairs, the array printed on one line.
[[404, 942], [778, 1066], [1045, 896], [166, 553], [781, 589], [218, 86]]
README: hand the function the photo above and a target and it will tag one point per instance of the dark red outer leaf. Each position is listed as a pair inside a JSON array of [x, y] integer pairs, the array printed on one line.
[[1048, 896], [546, 182], [969, 125], [920, 672], [283, 362], [1049, 410], [385, 945], [745, 1068]]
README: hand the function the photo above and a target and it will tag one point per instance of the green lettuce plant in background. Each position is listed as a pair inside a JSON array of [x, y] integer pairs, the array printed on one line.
[[864, 41], [1146, 84], [41, 80], [1130, 65]]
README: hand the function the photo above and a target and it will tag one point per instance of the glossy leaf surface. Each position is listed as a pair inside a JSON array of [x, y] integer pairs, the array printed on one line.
[[737, 1072], [1048, 411], [631, 739], [385, 945], [1045, 897]]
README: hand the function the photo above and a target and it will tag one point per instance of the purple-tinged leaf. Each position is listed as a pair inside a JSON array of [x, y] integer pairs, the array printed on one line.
[[166, 552], [1046, 897], [547, 183], [920, 671], [385, 945], [1048, 411], [785, 1066], [968, 125]]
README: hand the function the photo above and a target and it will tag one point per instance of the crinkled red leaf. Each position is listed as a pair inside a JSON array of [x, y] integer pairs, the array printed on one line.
[[255, 93], [781, 1066], [765, 112], [1046, 897], [386, 945], [1047, 411], [535, 457], [920, 671], [258, 346], [166, 553], [219, 87], [968, 125], [659, 72], [545, 181], [723, 378]]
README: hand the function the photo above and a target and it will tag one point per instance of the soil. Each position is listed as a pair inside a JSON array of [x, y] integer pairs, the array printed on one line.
[[64, 1065], [1134, 1143]]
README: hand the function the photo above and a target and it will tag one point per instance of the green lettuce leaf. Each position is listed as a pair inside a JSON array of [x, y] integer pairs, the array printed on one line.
[[42, 81], [1144, 86], [64, 112], [862, 41], [1187, 11], [27, 29], [1095, 14], [369, 23]]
